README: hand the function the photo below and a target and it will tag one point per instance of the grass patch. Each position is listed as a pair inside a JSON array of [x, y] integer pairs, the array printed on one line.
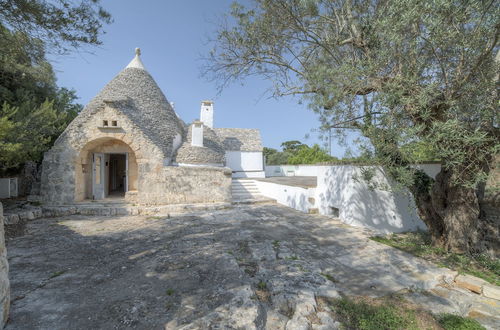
[[454, 322], [170, 292], [292, 258], [56, 274], [329, 277], [366, 316], [393, 312], [276, 244], [262, 285], [419, 244]]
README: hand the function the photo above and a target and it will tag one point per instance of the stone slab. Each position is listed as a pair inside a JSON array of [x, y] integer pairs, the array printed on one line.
[[491, 291], [470, 282]]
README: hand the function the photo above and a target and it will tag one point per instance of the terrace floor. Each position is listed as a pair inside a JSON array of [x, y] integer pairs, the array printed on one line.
[[294, 181]]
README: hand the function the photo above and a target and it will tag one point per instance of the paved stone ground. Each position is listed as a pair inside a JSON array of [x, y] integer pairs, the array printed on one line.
[[250, 267]]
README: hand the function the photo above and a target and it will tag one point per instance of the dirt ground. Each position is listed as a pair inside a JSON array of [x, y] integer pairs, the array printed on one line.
[[250, 267]]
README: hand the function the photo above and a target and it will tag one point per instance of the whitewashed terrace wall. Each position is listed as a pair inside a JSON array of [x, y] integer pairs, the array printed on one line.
[[383, 210], [294, 197]]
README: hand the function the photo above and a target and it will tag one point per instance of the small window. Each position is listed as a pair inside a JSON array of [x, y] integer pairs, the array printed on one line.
[[114, 123], [104, 123]]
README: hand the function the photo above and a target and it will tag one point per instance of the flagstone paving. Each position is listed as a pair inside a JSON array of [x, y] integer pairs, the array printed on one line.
[[250, 267]]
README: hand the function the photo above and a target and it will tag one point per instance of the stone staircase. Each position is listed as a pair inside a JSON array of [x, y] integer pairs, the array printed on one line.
[[246, 191]]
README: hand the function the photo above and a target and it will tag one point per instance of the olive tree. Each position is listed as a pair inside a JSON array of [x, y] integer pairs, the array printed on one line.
[[399, 72]]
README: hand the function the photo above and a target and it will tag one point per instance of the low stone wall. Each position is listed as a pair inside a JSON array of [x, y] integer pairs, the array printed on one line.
[[186, 185], [15, 220], [4, 276]]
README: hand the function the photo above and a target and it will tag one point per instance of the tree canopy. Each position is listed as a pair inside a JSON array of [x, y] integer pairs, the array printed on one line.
[[401, 73], [33, 109], [60, 25], [295, 152]]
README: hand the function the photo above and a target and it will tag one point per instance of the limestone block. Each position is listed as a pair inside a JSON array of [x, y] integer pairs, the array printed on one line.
[[37, 213], [11, 219], [470, 283], [4, 276], [275, 320], [491, 291]]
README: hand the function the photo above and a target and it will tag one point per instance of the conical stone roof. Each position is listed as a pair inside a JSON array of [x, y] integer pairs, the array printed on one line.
[[135, 93]]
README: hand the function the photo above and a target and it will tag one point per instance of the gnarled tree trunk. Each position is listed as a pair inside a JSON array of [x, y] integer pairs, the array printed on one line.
[[451, 213]]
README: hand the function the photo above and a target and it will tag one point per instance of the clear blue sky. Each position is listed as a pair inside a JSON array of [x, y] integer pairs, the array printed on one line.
[[172, 36]]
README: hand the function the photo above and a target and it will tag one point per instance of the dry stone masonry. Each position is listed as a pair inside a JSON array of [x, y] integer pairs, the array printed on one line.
[[159, 163], [4, 275]]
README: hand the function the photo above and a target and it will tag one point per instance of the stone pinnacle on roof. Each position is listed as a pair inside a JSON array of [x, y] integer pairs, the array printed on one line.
[[136, 61]]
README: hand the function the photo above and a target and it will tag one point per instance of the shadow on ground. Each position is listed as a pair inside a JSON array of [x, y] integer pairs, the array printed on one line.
[[251, 267]]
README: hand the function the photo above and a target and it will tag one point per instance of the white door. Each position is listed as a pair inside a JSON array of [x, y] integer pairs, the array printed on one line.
[[98, 176], [125, 188]]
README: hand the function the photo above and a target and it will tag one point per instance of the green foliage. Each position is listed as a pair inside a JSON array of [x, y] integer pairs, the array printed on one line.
[[396, 71], [33, 110], [295, 153], [309, 155], [455, 322], [419, 152], [363, 316], [292, 146], [275, 157], [420, 244], [58, 24]]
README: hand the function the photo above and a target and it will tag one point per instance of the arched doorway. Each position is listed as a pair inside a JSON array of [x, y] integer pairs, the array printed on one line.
[[106, 168]]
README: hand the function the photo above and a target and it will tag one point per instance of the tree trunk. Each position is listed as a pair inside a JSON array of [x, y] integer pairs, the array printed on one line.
[[451, 213]]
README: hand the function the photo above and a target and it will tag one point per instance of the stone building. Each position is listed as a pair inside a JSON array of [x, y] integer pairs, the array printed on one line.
[[129, 143]]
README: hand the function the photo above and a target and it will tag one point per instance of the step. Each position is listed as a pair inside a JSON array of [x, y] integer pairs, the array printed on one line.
[[245, 194], [244, 189], [243, 185], [258, 200]]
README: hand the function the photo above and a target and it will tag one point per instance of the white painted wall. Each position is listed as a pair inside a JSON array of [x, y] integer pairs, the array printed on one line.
[[294, 197], [245, 164], [358, 204], [197, 134]]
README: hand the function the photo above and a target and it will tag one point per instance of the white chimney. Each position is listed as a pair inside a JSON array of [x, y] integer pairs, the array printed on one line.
[[197, 134], [207, 113]]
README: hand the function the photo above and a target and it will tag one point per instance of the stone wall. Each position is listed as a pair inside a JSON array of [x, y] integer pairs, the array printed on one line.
[[184, 185], [4, 276]]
